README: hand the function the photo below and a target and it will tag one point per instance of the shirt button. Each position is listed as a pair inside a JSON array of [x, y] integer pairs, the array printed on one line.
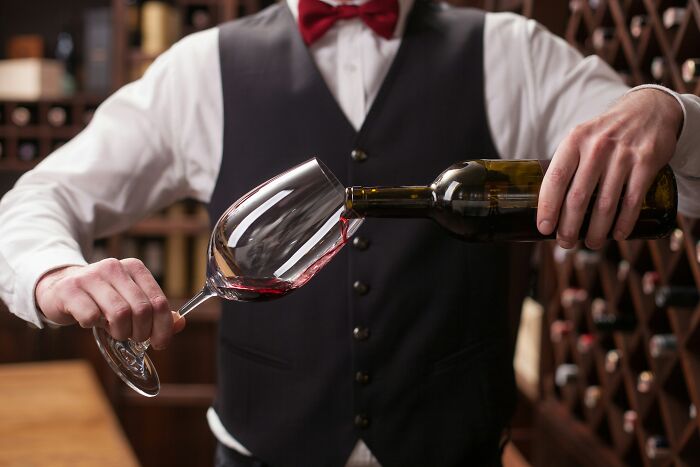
[[360, 243], [360, 288], [362, 377], [358, 155], [360, 333], [361, 421]]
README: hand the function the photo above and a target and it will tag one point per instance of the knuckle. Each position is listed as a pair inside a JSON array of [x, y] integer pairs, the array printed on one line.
[[121, 311], [576, 199], [133, 264], [160, 304], [141, 309], [557, 175], [110, 265], [605, 204]]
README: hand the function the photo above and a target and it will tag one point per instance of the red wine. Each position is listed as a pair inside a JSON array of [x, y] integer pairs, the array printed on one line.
[[247, 289]]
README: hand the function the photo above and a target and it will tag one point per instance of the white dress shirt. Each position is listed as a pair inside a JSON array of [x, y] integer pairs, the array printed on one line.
[[159, 139]]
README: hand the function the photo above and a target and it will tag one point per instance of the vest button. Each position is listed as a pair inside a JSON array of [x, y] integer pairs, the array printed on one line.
[[362, 377], [360, 333], [358, 155], [360, 243], [360, 288], [361, 421]]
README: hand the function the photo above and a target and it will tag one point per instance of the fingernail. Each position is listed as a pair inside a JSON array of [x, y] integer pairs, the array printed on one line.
[[545, 226]]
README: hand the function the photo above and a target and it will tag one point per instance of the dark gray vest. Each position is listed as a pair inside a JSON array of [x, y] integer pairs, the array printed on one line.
[[419, 365]]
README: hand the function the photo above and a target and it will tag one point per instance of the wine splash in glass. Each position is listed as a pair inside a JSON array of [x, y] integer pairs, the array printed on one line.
[[267, 244]]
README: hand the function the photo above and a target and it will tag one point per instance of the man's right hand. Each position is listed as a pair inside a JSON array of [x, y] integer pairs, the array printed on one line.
[[120, 295]]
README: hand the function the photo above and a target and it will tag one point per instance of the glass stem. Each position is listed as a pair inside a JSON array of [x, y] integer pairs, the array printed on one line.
[[139, 348]]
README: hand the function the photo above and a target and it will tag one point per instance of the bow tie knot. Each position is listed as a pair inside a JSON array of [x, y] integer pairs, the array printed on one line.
[[317, 17]]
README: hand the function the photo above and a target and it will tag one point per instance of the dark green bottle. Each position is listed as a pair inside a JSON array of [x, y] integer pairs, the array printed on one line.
[[496, 200]]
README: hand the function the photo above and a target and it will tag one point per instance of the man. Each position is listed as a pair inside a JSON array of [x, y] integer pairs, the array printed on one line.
[[396, 353]]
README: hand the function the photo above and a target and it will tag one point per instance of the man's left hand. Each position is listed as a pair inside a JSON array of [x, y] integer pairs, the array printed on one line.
[[624, 148]]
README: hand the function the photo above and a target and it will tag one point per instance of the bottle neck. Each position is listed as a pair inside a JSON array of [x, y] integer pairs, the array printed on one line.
[[402, 201]]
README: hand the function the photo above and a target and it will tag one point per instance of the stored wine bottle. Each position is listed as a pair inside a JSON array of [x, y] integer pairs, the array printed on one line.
[[673, 17], [27, 151], [591, 396], [675, 243], [659, 70], [644, 382], [496, 200], [612, 360], [691, 70], [606, 321], [677, 296], [566, 373], [623, 270], [637, 24], [602, 37], [584, 343], [21, 116], [2, 148], [57, 116], [572, 297], [559, 329], [629, 421], [662, 345], [650, 281], [657, 447], [692, 411]]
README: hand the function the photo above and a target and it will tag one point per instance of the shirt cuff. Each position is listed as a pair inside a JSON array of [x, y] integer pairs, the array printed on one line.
[[29, 274]]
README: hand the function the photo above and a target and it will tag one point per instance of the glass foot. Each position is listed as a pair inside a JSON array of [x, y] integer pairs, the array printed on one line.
[[128, 359]]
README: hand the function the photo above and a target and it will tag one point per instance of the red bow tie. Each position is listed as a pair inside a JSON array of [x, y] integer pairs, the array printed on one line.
[[317, 17]]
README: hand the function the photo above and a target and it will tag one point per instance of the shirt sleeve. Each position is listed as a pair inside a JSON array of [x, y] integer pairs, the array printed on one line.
[[154, 141], [538, 88]]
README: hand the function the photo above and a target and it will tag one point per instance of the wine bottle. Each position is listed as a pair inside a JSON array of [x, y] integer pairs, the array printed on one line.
[[27, 151], [21, 116], [57, 116], [662, 345], [637, 24], [591, 396], [584, 343], [566, 374], [659, 70], [697, 251], [657, 447], [572, 297], [692, 411], [677, 296], [602, 37], [606, 321], [675, 243], [623, 270], [644, 382], [199, 17], [496, 200], [650, 281], [2, 148], [673, 17], [154, 258], [612, 360], [559, 329], [629, 421], [691, 70]]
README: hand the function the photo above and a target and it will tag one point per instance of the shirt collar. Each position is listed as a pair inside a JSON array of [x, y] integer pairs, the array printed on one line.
[[404, 9]]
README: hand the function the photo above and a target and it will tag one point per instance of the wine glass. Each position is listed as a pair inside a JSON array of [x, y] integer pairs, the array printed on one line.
[[267, 244]]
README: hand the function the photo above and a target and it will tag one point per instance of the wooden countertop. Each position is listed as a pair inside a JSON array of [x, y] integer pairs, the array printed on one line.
[[54, 414]]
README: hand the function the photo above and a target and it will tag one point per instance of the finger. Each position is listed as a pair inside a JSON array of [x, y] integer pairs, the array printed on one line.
[[162, 328], [141, 309], [79, 305], [579, 193], [606, 203], [114, 308], [639, 182], [554, 184], [179, 322]]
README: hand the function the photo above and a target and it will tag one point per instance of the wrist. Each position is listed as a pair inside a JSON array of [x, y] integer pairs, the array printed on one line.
[[670, 105], [43, 293]]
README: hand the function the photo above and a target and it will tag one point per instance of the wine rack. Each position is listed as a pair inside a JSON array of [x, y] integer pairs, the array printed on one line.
[[618, 368]]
